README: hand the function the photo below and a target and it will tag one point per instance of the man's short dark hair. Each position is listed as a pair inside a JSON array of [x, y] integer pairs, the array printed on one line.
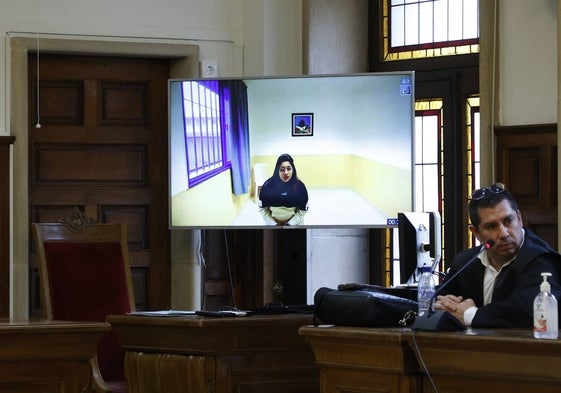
[[488, 197]]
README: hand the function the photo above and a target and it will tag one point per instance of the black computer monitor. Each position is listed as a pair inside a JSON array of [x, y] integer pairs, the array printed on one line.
[[420, 242]]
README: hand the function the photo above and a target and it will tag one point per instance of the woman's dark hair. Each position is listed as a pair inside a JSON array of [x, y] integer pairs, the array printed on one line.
[[275, 192], [282, 158], [490, 197]]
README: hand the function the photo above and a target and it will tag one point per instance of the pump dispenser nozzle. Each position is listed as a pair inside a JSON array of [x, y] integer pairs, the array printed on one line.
[[545, 311], [544, 286]]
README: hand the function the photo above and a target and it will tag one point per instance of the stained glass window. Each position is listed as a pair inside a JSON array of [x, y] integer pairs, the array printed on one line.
[[429, 28]]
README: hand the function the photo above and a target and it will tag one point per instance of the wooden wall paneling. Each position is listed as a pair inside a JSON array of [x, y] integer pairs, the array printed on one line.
[[62, 102], [527, 164]]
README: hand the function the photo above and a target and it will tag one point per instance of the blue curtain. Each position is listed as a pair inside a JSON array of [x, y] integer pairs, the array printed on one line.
[[240, 162]]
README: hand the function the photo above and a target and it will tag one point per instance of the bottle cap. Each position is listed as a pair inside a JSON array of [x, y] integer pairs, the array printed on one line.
[[544, 286]]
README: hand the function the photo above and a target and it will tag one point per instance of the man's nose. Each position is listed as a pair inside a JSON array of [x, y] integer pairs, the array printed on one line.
[[503, 230]]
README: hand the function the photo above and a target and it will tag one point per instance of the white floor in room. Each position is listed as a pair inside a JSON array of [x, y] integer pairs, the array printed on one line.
[[332, 207]]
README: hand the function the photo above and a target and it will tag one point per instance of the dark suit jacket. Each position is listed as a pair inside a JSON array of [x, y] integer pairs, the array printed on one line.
[[516, 286]]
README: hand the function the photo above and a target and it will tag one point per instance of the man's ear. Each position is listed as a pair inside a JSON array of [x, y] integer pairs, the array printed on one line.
[[474, 232], [519, 214]]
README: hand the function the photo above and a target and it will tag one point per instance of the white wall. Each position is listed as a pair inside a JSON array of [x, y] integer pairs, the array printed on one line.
[[245, 37], [335, 32], [272, 37], [216, 26], [528, 62], [336, 36]]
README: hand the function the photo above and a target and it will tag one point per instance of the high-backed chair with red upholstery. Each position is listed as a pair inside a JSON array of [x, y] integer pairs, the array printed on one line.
[[85, 275]]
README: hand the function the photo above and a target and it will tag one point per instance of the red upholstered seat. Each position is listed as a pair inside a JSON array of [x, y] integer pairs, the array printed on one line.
[[85, 276]]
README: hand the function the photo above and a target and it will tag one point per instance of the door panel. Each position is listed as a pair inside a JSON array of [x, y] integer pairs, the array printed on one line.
[[102, 146], [527, 164]]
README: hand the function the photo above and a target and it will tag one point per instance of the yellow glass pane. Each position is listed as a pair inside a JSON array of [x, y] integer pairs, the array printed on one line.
[[472, 107]]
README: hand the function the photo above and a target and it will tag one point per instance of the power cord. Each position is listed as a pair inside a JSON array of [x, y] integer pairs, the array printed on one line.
[[230, 275], [422, 361]]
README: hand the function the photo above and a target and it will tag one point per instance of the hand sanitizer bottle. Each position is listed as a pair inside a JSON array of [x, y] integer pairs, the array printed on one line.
[[545, 312]]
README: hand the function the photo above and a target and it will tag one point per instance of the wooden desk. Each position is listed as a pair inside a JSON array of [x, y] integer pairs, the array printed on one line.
[[364, 359], [47, 356], [492, 360], [385, 359], [233, 354]]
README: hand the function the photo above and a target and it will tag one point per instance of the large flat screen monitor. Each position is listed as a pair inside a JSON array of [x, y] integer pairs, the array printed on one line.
[[347, 138]]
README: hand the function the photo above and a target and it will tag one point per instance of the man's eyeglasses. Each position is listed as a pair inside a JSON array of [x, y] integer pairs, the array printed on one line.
[[484, 192]]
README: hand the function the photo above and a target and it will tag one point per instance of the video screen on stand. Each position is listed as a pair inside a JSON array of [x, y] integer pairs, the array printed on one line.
[[291, 152]]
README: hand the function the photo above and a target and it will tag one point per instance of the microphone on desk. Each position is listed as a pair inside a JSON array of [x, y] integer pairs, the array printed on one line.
[[443, 321]]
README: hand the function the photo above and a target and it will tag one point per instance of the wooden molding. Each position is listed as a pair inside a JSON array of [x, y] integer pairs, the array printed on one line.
[[5, 187]]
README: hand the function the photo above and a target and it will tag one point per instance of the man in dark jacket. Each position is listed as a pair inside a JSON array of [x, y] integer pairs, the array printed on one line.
[[498, 290]]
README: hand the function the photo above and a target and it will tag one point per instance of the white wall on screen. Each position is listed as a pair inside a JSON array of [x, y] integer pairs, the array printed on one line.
[[352, 115]]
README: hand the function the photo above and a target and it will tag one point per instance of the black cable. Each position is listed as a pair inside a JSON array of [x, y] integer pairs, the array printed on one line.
[[230, 271], [423, 364]]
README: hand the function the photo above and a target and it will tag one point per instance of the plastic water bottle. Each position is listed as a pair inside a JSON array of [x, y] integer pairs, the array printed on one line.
[[425, 289], [545, 312]]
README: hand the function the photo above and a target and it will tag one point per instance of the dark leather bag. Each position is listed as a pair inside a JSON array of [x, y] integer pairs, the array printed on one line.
[[363, 306]]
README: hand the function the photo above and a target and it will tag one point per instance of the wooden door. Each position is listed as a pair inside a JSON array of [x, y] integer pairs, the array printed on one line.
[[527, 164], [102, 146]]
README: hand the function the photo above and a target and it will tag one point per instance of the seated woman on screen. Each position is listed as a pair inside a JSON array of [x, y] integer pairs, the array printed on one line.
[[283, 199]]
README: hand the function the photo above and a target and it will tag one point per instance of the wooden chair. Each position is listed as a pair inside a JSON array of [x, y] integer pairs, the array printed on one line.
[[85, 275]]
